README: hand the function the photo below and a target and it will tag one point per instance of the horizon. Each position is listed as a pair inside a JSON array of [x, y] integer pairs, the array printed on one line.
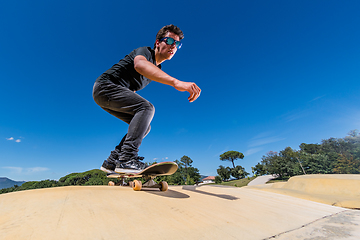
[[273, 75], [202, 175]]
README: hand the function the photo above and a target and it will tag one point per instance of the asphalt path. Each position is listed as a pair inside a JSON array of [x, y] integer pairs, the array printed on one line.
[[262, 180]]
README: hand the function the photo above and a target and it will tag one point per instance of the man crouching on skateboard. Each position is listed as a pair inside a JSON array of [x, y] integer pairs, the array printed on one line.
[[114, 91]]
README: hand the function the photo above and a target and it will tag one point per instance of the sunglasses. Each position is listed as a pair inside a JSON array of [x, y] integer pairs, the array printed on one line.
[[171, 41]]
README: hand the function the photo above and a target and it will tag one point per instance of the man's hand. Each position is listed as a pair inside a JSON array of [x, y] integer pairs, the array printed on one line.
[[190, 87]]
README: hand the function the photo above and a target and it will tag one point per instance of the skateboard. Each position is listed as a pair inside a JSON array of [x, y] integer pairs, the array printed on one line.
[[149, 173]]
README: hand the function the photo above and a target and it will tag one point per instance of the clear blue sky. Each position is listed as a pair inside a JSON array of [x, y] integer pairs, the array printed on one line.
[[273, 74]]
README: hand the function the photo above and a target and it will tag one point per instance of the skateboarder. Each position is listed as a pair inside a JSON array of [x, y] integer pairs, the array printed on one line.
[[115, 92]]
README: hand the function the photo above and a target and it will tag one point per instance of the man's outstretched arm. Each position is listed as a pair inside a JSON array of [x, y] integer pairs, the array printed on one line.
[[150, 71]]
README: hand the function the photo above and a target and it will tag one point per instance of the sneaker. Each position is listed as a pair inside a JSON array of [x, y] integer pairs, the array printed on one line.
[[132, 166], [108, 167]]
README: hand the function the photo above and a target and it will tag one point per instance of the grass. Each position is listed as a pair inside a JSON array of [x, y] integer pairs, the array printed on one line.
[[238, 183]]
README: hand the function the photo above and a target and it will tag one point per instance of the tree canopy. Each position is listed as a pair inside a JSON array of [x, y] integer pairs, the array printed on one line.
[[231, 156], [333, 155], [237, 172]]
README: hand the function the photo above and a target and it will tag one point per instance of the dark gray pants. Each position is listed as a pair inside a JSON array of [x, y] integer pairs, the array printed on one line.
[[129, 107]]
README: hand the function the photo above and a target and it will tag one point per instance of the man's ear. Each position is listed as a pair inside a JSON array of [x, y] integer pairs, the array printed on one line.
[[157, 42]]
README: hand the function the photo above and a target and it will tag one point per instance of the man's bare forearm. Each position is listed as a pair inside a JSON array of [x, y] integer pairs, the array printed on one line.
[[150, 71]]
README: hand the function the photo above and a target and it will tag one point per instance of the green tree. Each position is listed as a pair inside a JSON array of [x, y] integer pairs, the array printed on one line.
[[193, 174], [238, 172], [333, 155], [291, 161], [285, 164], [231, 156], [259, 169], [185, 174], [315, 163], [274, 164], [310, 148], [186, 162], [346, 165], [224, 172]]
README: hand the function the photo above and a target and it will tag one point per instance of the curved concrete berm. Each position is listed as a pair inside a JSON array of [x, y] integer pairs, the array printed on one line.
[[207, 212], [341, 190]]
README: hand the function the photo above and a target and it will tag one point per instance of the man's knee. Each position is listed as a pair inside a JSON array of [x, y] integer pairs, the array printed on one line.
[[149, 107]]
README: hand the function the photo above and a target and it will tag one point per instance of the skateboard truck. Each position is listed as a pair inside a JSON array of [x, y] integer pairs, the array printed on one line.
[[121, 183], [150, 183]]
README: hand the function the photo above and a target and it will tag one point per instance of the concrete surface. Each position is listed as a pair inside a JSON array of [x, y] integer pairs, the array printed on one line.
[[262, 180], [344, 225], [341, 190], [207, 212]]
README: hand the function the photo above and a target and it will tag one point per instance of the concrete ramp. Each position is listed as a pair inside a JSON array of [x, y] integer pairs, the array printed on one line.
[[341, 190], [207, 212]]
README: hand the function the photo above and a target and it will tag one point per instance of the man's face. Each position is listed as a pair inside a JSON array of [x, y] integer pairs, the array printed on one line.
[[165, 50]]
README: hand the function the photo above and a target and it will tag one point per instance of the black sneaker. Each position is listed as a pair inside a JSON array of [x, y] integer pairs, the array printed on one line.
[[132, 166], [108, 167]]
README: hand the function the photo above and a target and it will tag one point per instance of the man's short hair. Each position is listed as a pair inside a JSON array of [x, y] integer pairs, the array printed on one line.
[[168, 28]]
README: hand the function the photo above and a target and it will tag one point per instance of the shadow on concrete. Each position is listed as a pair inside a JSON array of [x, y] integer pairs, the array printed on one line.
[[223, 196], [169, 193], [175, 194]]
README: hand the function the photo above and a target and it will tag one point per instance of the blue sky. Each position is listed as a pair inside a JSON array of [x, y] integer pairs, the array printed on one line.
[[273, 74]]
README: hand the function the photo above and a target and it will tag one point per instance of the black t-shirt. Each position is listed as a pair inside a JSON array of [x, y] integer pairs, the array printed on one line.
[[124, 74]]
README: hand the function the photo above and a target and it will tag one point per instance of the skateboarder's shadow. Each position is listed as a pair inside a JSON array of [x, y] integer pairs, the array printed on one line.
[[223, 196], [175, 194], [169, 193]]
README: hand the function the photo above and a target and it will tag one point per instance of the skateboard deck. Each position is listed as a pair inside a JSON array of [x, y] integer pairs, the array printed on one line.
[[149, 173]]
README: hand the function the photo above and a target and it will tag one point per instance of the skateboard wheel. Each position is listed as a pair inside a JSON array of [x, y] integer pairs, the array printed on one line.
[[163, 186], [136, 185], [111, 183]]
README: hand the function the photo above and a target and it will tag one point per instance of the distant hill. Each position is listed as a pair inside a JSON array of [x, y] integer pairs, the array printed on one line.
[[7, 183], [202, 177]]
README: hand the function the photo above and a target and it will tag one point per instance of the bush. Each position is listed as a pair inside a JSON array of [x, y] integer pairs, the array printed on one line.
[[92, 177], [218, 180]]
